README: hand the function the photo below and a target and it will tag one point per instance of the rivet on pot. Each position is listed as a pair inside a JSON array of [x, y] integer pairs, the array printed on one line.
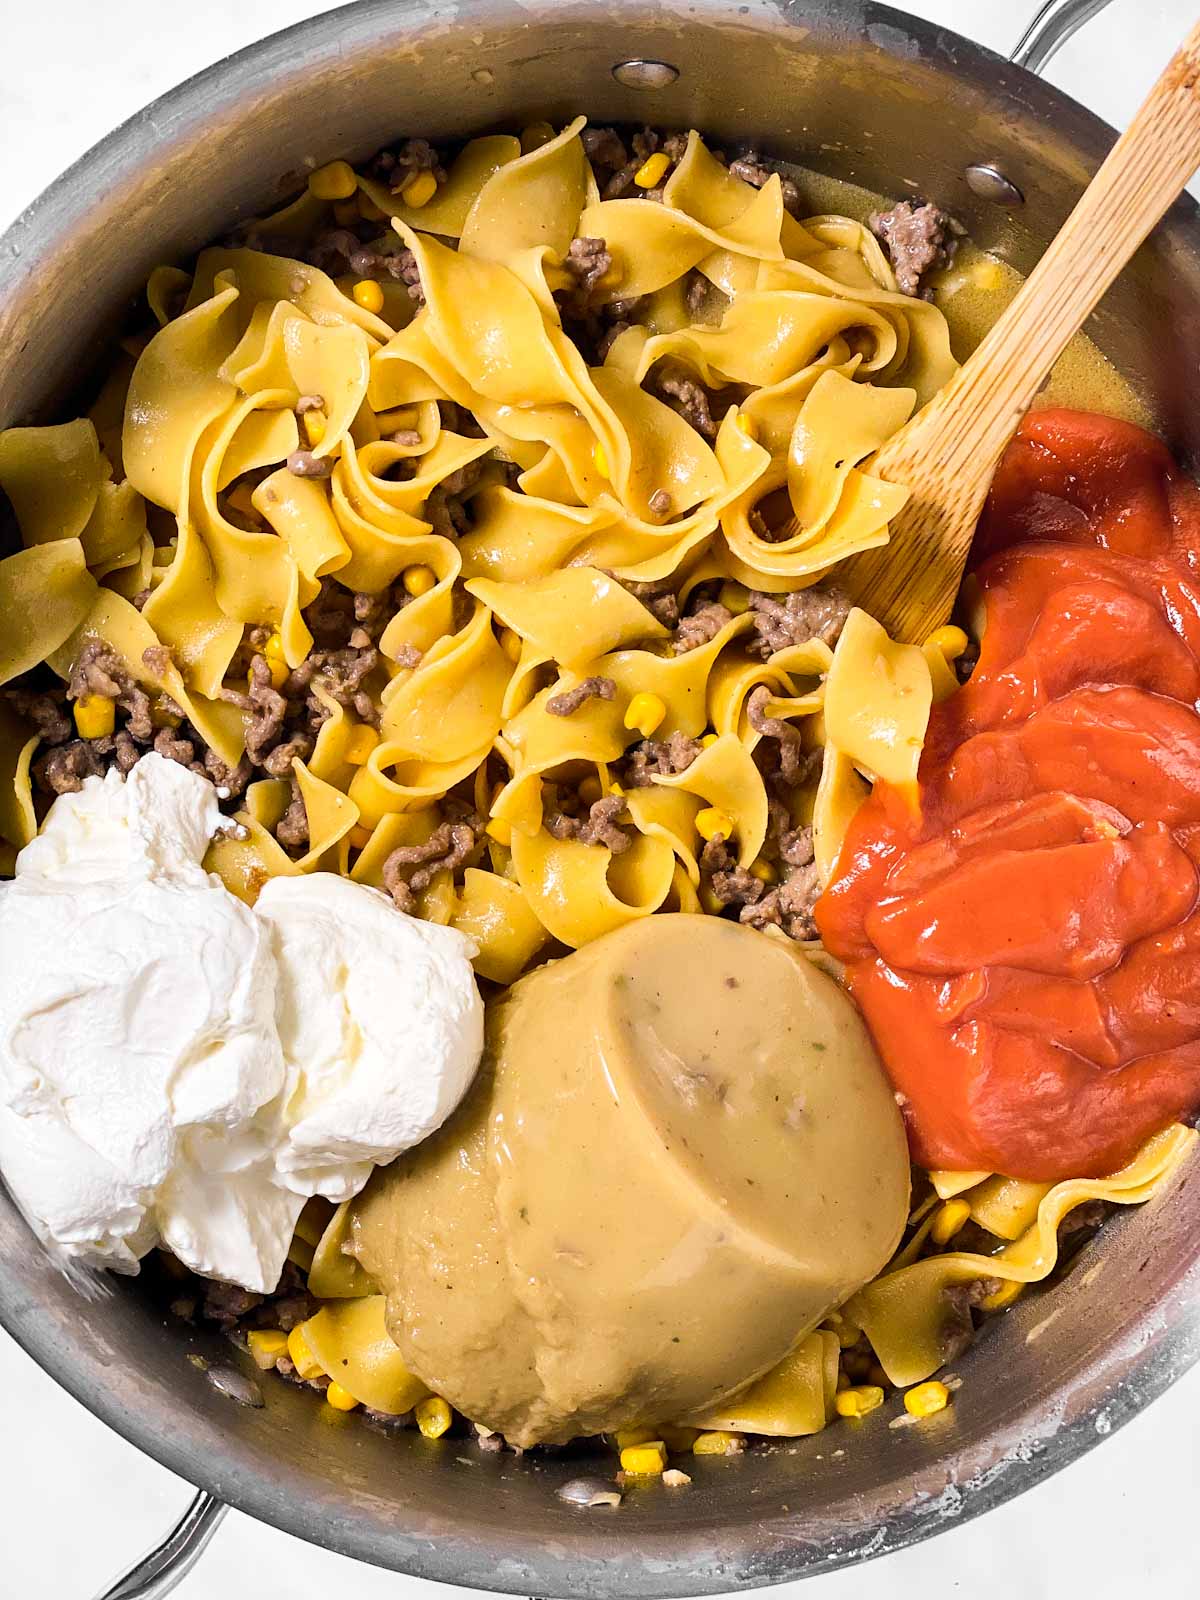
[[986, 180], [645, 74]]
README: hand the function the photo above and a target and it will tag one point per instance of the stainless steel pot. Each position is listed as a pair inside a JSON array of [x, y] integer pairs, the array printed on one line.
[[867, 94]]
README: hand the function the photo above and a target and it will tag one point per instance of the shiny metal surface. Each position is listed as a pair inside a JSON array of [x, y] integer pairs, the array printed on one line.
[[161, 1570], [986, 180], [1050, 29], [870, 95]]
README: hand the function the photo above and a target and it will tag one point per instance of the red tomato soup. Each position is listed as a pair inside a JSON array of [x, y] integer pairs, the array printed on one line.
[[1026, 945]]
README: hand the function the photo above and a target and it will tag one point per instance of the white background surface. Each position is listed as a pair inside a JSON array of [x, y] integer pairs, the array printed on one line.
[[76, 1502]]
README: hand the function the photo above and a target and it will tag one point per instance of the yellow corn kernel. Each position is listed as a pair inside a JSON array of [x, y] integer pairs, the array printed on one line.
[[719, 1443], [368, 295], [266, 1346], [313, 423], [360, 744], [340, 1399], [645, 713], [652, 171], [433, 1416], [987, 274], [708, 741], [600, 457], [645, 1460], [95, 717], [949, 1219], [746, 424], [734, 598], [305, 1363], [950, 641], [359, 837], [419, 190], [273, 649], [367, 209], [346, 213], [763, 871], [418, 580], [1004, 1296], [858, 1401], [708, 899], [535, 136], [590, 791], [627, 1438], [711, 821], [926, 1399], [510, 643], [334, 182], [500, 830]]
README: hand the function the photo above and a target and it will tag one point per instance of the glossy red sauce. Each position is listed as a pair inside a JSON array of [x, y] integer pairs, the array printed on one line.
[[1026, 947]]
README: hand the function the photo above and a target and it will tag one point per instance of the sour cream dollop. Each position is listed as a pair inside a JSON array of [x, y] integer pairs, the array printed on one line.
[[178, 1067]]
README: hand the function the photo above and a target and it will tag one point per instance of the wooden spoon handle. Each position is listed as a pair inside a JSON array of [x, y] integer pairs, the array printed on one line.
[[948, 453]]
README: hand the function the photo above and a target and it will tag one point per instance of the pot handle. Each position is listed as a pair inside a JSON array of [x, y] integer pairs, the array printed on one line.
[[160, 1570], [1052, 26]]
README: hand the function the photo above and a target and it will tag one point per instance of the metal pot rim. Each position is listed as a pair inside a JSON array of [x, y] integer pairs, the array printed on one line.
[[1118, 1382]]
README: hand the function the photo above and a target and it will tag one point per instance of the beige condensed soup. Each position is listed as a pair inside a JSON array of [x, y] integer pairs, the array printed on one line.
[[681, 1153]]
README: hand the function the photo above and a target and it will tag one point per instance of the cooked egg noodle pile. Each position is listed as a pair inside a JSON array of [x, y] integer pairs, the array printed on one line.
[[575, 696]]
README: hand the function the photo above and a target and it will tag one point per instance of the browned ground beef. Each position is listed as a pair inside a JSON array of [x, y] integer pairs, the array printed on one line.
[[700, 625], [731, 885], [918, 238], [601, 825], [674, 382], [651, 758], [752, 169], [412, 867], [570, 700], [784, 620]]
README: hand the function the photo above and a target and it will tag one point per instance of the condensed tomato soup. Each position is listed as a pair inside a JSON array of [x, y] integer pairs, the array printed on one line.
[[1025, 942]]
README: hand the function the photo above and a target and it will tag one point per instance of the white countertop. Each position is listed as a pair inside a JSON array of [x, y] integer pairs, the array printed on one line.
[[79, 1503]]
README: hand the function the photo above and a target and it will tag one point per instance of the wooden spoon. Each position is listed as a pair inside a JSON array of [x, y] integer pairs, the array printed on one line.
[[948, 453]]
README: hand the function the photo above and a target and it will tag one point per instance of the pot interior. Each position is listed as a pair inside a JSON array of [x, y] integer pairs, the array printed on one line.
[[866, 95]]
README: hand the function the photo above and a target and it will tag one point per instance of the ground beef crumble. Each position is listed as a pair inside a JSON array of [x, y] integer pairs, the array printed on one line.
[[752, 169], [601, 825], [411, 868], [700, 625], [570, 700], [784, 620], [918, 238], [653, 758]]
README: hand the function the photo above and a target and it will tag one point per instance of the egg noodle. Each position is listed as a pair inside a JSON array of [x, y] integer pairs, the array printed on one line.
[[168, 523]]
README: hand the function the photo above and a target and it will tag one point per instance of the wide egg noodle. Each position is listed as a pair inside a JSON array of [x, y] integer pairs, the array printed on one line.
[[496, 915], [447, 212], [905, 1313], [350, 1341], [52, 477], [18, 821], [46, 592], [877, 701], [453, 703], [531, 202], [726, 778], [579, 892], [572, 615]]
